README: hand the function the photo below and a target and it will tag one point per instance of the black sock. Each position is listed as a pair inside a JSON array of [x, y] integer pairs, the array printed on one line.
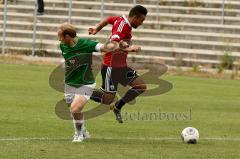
[[97, 96], [129, 96], [119, 104]]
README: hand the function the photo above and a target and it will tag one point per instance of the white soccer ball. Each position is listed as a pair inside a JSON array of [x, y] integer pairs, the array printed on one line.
[[190, 135]]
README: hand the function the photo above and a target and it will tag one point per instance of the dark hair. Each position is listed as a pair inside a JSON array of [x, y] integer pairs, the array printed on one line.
[[72, 33], [138, 10]]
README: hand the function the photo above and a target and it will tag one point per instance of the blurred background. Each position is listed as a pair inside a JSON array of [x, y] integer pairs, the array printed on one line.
[[196, 34]]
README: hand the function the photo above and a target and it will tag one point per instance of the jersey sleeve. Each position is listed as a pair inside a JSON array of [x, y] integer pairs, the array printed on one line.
[[119, 33], [98, 47], [111, 19], [89, 46]]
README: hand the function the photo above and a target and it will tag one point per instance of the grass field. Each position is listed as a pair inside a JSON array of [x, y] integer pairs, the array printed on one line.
[[29, 127]]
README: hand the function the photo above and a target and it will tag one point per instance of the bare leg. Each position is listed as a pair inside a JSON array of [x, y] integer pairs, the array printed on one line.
[[76, 108]]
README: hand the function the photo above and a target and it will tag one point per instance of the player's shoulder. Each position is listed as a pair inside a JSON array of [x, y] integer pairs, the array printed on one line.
[[122, 24], [84, 43], [114, 17], [122, 20]]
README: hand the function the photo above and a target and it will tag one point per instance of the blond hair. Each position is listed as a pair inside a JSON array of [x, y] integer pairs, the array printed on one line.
[[68, 29]]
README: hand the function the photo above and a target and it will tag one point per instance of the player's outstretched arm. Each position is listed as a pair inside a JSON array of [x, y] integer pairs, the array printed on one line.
[[112, 46], [133, 48], [98, 27]]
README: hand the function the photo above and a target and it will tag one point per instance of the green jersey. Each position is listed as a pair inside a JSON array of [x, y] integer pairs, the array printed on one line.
[[78, 61]]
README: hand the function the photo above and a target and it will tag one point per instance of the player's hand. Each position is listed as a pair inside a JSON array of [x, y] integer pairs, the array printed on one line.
[[123, 44], [92, 31], [133, 48]]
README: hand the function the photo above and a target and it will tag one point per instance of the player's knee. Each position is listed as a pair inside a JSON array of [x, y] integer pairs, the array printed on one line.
[[141, 88], [108, 98], [75, 109]]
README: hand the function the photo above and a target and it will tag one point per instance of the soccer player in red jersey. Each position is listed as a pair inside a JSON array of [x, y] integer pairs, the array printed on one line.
[[114, 67]]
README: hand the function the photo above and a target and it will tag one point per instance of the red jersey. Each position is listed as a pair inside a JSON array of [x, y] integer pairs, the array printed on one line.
[[121, 30]]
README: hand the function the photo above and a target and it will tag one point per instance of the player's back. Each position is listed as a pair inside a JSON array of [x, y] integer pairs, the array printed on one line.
[[121, 30]]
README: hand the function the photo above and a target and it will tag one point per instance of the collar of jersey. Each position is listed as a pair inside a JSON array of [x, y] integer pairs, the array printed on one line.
[[125, 18]]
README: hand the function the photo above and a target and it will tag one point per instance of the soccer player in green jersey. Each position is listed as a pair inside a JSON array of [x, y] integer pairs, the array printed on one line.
[[79, 79]]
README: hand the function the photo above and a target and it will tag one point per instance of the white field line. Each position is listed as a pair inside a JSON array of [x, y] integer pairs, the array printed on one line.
[[110, 138]]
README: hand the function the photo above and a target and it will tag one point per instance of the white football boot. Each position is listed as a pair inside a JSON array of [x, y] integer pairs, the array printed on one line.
[[86, 134], [78, 137]]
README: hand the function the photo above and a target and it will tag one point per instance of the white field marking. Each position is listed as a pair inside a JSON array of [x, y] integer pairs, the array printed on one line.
[[110, 138]]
